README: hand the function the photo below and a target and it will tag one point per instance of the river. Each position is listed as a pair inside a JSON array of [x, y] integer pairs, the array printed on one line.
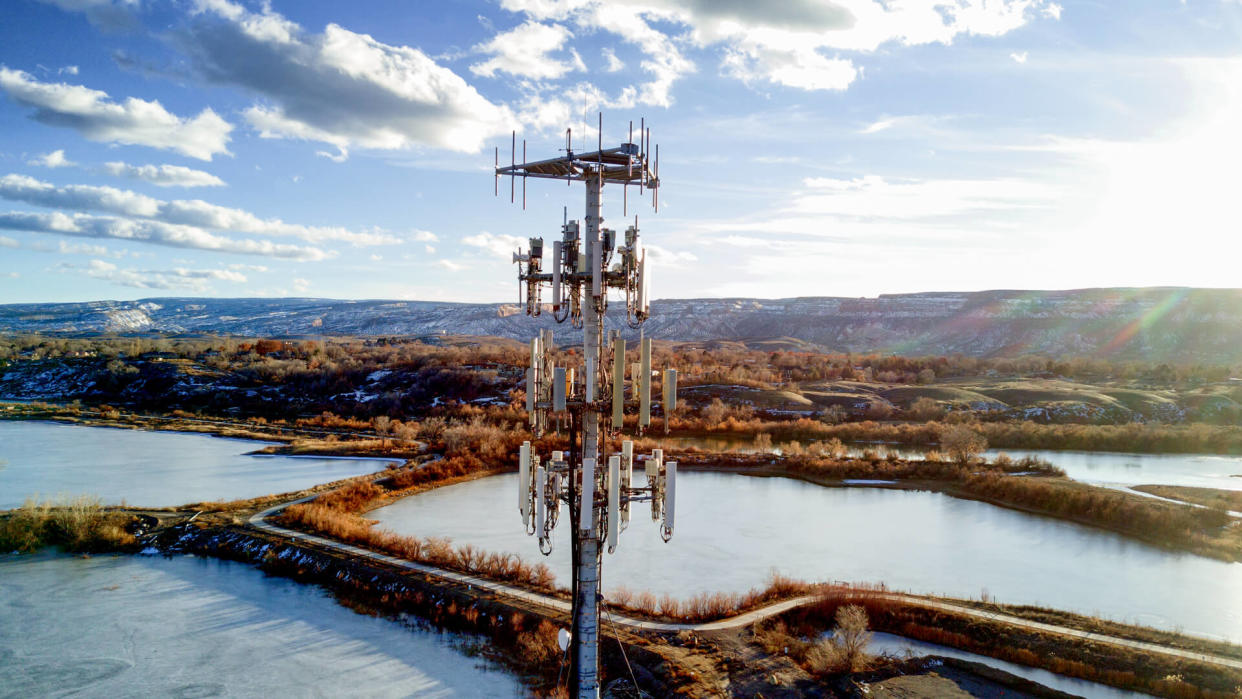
[[732, 530], [150, 469], [195, 627]]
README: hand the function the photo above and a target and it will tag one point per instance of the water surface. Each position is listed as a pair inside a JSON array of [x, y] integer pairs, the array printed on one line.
[[145, 468], [733, 530], [1095, 467], [111, 626]]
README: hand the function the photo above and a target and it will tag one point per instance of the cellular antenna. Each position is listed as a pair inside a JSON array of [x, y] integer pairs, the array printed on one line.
[[583, 264]]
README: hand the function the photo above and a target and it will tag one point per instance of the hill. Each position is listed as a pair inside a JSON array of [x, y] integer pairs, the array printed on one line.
[[1178, 325]]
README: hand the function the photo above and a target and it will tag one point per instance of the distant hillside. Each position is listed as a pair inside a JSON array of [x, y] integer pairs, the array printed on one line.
[[1155, 324]]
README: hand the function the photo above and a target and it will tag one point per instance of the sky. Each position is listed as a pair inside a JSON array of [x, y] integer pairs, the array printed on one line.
[[315, 148]]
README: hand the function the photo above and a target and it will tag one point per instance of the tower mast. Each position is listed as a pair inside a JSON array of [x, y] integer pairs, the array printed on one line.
[[597, 487]]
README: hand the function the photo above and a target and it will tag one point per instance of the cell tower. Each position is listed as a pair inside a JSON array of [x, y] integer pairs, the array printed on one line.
[[597, 486]]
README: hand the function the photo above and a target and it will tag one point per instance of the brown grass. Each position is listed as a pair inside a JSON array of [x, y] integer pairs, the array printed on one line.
[[1112, 665], [1131, 437], [1208, 497], [78, 524], [1151, 520], [435, 551], [707, 606], [336, 514]]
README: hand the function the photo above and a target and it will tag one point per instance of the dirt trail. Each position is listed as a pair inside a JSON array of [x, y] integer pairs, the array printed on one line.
[[259, 521]]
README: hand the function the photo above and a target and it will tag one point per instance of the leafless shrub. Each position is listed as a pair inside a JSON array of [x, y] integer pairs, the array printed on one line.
[[962, 443]]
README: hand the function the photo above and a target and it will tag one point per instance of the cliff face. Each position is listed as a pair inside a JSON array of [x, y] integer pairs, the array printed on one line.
[[1156, 324]]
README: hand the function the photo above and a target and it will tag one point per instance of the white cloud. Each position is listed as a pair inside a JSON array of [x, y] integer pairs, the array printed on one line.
[[879, 125], [164, 175], [873, 197], [53, 160], [86, 249], [424, 237], [197, 280], [133, 122], [806, 69], [105, 14], [525, 51], [785, 42], [742, 241], [499, 244], [153, 232], [450, 265], [301, 285], [68, 70], [664, 257], [663, 60], [77, 197], [6, 242], [187, 212], [1019, 57], [338, 87], [613, 64]]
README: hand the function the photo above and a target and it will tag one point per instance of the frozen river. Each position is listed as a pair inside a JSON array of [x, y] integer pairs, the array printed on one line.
[[150, 469], [112, 626]]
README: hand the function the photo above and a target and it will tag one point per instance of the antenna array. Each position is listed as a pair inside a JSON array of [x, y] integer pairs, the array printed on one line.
[[587, 261]]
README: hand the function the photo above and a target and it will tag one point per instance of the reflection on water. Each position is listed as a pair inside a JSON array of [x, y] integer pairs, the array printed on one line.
[[899, 646], [139, 626], [150, 468], [733, 530], [1103, 468]]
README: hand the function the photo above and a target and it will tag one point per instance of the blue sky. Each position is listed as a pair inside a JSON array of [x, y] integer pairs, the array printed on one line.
[[843, 147]]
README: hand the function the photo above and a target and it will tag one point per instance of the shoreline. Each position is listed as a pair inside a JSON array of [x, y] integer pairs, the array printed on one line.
[[223, 424], [276, 446]]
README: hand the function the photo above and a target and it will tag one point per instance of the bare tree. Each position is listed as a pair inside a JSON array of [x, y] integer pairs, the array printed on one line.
[[962, 444], [925, 409], [851, 637], [381, 423], [715, 411], [846, 650]]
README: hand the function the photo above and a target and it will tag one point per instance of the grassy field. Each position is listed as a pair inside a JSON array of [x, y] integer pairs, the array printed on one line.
[[1208, 497]]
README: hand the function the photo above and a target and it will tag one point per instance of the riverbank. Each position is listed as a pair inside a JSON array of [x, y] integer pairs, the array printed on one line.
[[291, 439], [1209, 532], [1136, 437]]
